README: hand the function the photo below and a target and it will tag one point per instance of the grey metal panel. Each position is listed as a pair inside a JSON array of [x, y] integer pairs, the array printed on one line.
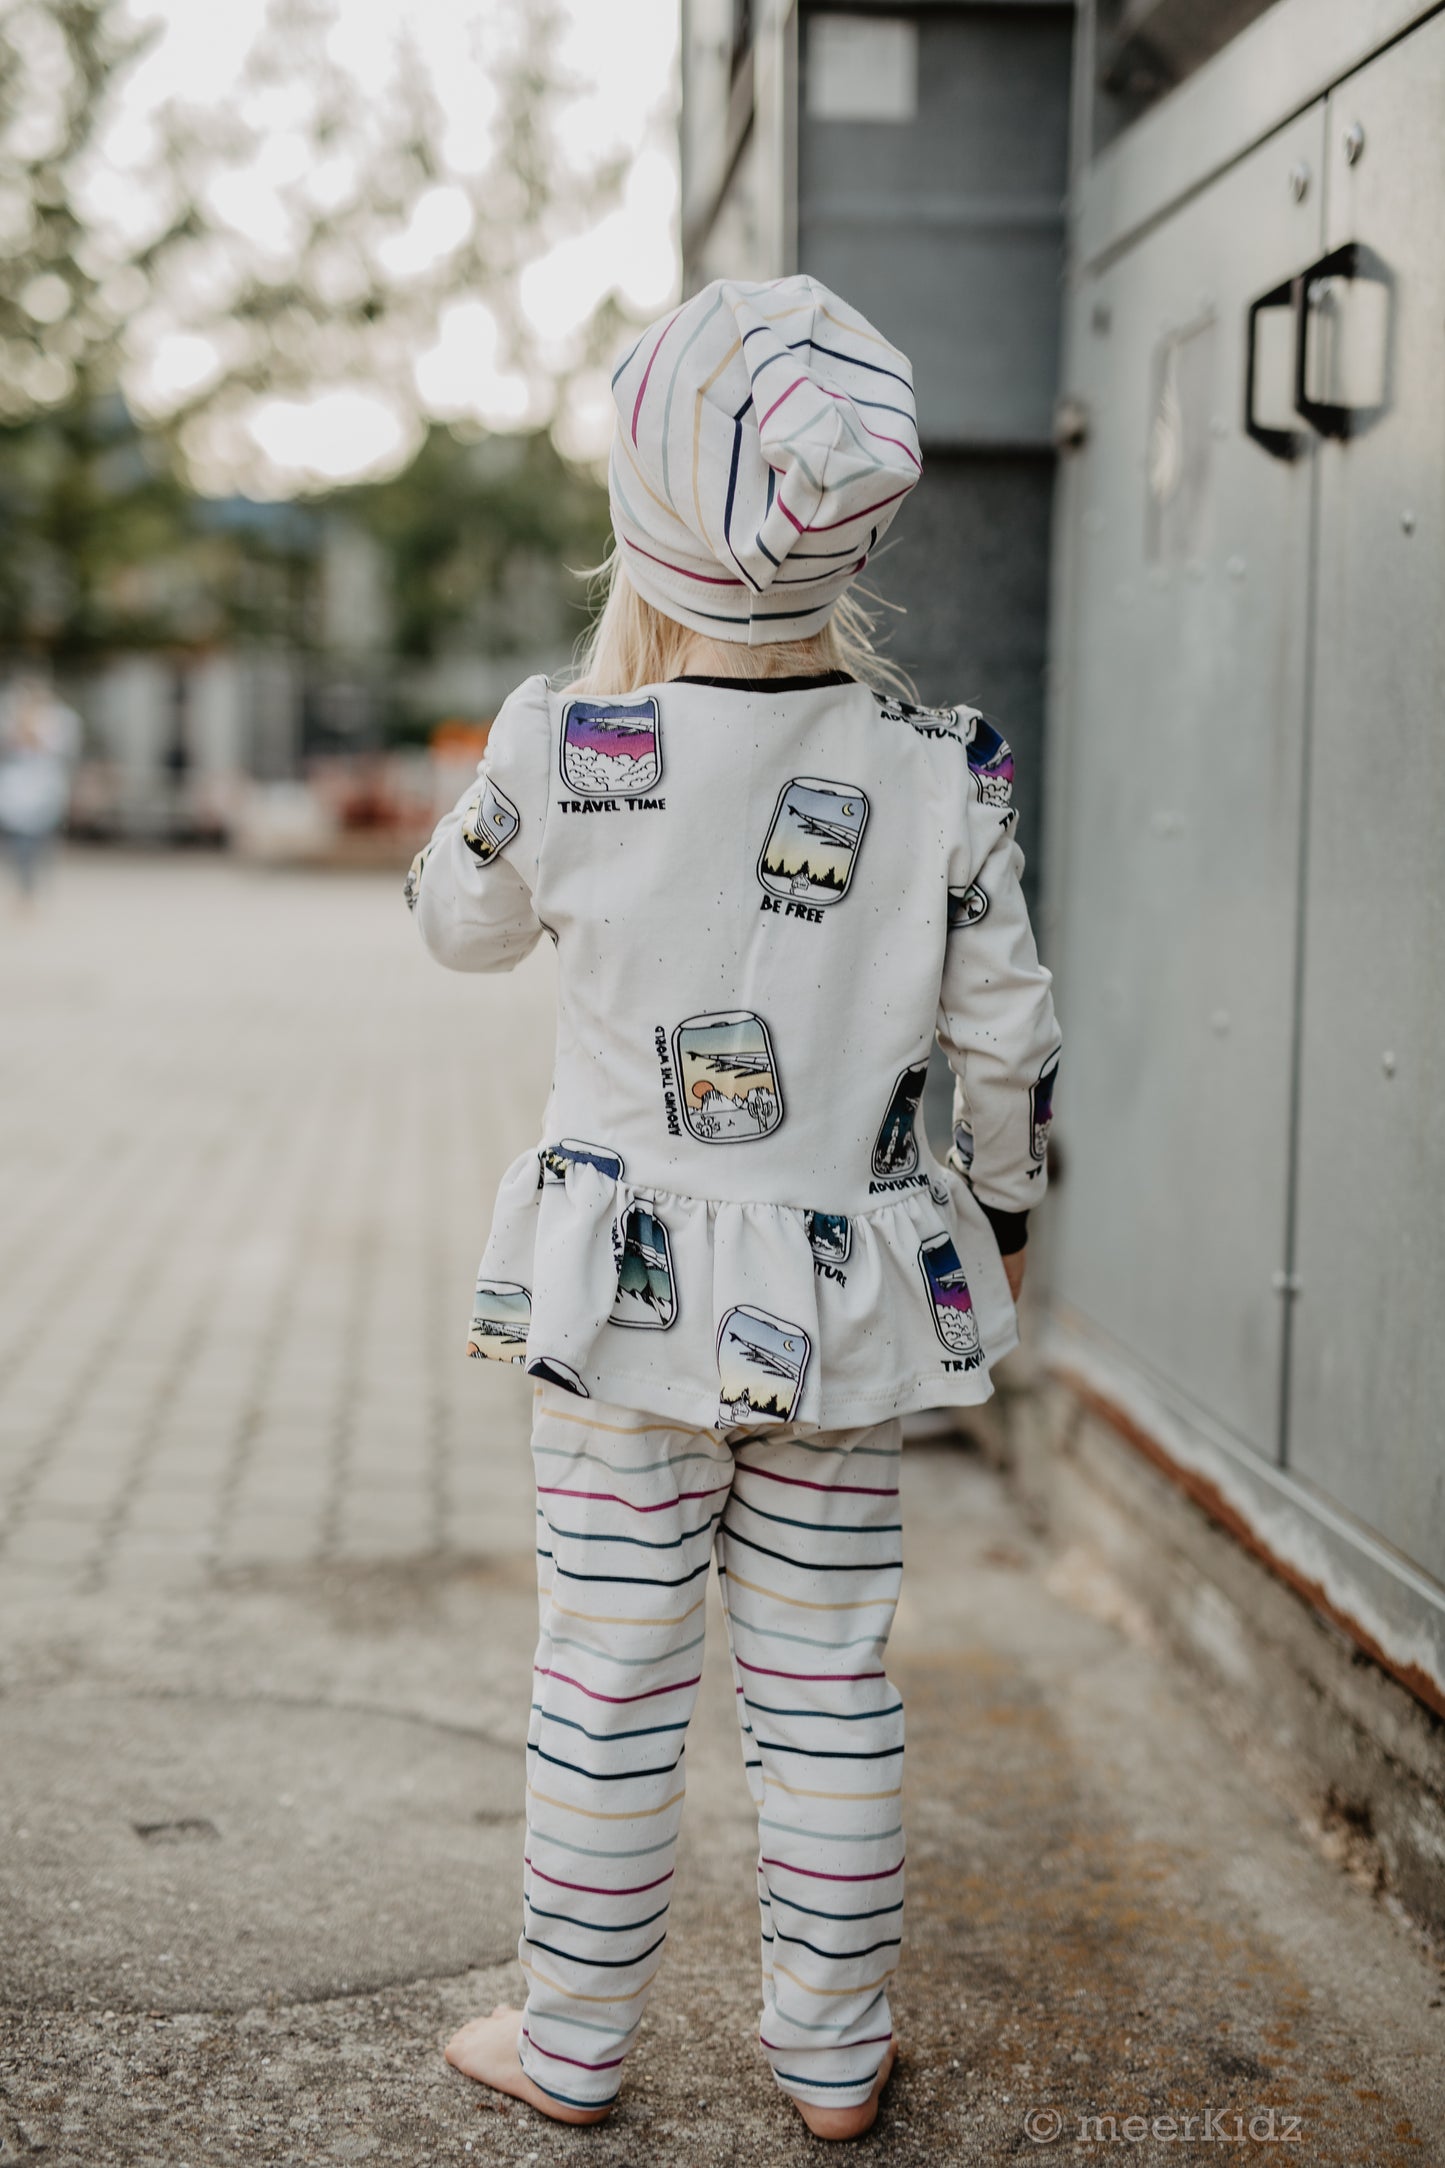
[[1361, 1579], [969, 563], [948, 229], [1167, 40], [1272, 71], [732, 246], [1177, 835], [1367, 1415], [710, 113]]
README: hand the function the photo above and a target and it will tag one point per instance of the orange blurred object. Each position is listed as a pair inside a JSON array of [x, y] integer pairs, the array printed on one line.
[[456, 740]]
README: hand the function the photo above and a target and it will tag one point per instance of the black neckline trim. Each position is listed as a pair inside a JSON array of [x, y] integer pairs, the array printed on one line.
[[769, 684]]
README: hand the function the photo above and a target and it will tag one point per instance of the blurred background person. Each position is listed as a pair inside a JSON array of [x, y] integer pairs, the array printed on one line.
[[39, 744]]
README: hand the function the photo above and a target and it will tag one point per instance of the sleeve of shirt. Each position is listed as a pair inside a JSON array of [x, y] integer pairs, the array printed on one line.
[[472, 887], [996, 1021]]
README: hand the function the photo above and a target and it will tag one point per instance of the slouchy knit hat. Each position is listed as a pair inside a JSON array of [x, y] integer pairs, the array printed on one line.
[[765, 437]]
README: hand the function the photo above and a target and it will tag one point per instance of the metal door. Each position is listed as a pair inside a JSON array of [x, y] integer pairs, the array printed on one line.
[[1178, 793], [947, 225], [940, 214], [1368, 1341]]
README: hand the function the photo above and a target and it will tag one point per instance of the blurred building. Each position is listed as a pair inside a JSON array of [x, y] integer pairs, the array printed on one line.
[[242, 665], [1244, 795], [914, 158]]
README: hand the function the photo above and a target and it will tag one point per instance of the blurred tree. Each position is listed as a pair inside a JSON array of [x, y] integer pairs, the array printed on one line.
[[63, 303], [475, 536], [103, 546], [302, 235], [184, 264]]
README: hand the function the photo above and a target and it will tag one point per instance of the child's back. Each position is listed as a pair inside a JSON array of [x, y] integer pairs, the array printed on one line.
[[766, 894], [731, 1259]]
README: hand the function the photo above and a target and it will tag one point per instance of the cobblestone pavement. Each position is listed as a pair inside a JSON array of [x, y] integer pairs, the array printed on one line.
[[265, 1625], [250, 1139]]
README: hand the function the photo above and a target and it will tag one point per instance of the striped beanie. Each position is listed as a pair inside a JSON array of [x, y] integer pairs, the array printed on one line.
[[765, 438]]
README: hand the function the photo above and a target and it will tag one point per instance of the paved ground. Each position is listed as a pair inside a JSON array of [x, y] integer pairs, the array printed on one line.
[[264, 1662]]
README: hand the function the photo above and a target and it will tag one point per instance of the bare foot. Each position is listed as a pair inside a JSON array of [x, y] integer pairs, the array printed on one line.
[[850, 2122], [486, 2049]]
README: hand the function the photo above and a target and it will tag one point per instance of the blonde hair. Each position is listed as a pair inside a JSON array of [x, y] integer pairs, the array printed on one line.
[[630, 643]]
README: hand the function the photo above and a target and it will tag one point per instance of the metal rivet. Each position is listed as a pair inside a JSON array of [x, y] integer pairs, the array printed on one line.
[[1387, 1062], [1071, 424], [1299, 180], [1407, 520], [1354, 142]]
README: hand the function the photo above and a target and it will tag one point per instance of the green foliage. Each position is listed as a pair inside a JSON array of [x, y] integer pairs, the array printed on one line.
[[103, 545], [478, 537], [271, 231], [61, 308]]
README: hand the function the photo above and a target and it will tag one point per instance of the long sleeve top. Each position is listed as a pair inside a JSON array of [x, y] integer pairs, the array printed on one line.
[[767, 898]]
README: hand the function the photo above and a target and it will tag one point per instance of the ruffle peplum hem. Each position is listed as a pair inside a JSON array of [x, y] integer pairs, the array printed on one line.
[[772, 1313]]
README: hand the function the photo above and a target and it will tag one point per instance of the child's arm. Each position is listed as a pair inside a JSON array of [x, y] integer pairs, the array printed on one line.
[[996, 1019], [472, 886]]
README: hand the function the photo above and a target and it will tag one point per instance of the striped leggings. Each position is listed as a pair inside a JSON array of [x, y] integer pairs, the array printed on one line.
[[806, 1530]]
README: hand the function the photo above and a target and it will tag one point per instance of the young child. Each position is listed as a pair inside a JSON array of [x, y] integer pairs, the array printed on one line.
[[734, 1262]]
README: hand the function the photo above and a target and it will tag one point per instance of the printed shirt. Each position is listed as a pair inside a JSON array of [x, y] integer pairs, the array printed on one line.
[[766, 899]]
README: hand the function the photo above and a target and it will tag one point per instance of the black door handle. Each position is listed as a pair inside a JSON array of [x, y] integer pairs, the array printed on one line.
[[1354, 260], [1279, 443]]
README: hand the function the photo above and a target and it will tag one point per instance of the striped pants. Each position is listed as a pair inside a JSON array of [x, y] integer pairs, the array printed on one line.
[[807, 1535]]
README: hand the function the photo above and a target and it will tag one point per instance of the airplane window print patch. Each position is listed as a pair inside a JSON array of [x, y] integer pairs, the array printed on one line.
[[411, 886], [830, 1237], [896, 1150], [558, 1373], [761, 1361], [1041, 1110], [490, 823], [728, 1080], [990, 761], [928, 720], [812, 843], [952, 1304], [554, 1160], [646, 1291], [611, 748], [966, 906], [501, 1316]]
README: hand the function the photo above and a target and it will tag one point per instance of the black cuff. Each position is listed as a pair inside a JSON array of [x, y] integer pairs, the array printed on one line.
[[1010, 1229]]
